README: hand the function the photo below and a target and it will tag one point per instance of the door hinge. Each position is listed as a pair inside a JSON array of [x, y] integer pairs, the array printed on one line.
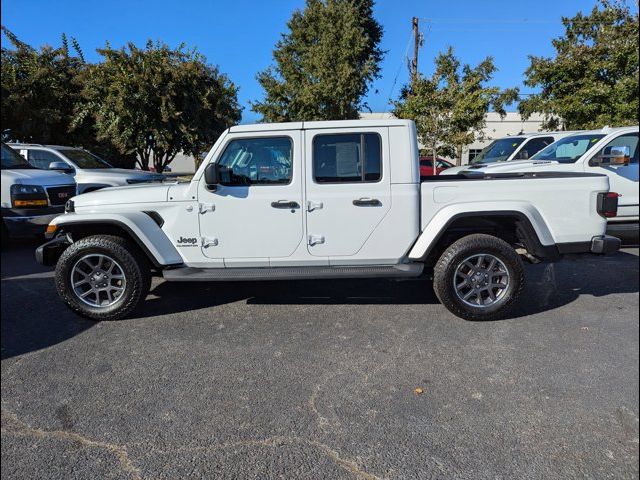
[[209, 242], [311, 206], [206, 207], [315, 239]]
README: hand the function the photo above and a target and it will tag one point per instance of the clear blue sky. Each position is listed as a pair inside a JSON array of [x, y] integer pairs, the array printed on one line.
[[239, 35]]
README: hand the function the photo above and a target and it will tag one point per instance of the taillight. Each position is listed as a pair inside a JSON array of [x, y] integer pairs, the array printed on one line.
[[608, 204]]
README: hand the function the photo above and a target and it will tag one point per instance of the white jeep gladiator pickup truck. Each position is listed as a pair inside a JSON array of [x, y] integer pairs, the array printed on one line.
[[331, 199]]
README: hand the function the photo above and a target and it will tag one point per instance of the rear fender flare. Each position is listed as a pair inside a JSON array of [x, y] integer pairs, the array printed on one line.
[[438, 225]]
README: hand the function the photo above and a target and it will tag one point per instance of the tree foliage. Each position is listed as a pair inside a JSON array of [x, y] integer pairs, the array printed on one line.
[[324, 63], [157, 101], [593, 79], [450, 106], [39, 90]]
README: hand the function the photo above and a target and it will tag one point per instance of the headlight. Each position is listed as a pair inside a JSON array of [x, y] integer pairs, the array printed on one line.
[[28, 196], [18, 189]]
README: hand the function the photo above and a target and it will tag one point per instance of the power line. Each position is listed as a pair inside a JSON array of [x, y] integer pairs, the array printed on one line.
[[402, 60]]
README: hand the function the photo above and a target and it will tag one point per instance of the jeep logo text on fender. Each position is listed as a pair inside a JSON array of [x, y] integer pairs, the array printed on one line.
[[187, 242]]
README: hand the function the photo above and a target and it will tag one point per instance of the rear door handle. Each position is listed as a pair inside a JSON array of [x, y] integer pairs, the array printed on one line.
[[285, 204], [367, 202]]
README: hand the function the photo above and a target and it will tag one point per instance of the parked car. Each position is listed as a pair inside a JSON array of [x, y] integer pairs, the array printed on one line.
[[506, 149], [426, 166], [31, 198], [610, 151], [90, 171], [330, 199]]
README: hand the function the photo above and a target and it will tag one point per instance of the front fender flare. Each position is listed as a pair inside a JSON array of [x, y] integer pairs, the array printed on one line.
[[141, 227]]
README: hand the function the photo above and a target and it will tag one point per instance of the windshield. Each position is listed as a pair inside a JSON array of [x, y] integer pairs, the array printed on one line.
[[498, 151], [12, 159], [568, 149], [84, 159]]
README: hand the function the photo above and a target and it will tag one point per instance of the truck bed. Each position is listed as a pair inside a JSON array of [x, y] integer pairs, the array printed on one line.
[[555, 199]]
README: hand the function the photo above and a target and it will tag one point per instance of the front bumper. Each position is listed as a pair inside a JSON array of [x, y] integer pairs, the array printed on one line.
[[48, 253], [29, 221]]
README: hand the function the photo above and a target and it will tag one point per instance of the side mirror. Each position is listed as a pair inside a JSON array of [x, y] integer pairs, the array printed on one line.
[[61, 167], [615, 156], [523, 155], [212, 175]]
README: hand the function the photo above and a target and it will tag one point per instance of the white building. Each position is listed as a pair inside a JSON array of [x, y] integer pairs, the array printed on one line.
[[496, 127], [183, 164]]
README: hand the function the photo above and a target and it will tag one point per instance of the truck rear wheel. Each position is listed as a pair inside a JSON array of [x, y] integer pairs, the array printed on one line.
[[102, 277], [479, 277]]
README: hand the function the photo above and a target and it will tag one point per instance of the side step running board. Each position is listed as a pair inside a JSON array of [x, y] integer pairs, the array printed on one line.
[[190, 274]]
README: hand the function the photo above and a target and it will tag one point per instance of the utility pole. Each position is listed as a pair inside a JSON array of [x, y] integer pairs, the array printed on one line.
[[413, 70]]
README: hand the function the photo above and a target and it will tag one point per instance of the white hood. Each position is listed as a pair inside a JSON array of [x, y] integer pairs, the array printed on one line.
[[116, 176], [143, 193], [33, 176], [503, 167]]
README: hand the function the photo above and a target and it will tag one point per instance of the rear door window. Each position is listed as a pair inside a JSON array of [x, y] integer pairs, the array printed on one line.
[[347, 158]]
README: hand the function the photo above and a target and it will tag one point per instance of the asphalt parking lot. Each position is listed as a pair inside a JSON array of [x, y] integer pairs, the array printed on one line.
[[317, 379]]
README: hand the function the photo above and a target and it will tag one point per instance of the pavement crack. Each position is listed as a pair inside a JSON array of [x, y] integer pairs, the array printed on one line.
[[322, 421], [18, 427], [344, 463]]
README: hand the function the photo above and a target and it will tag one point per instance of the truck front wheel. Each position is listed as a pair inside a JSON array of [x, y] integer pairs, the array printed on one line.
[[102, 277], [479, 277]]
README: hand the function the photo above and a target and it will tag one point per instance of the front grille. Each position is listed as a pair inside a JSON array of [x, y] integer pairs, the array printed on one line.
[[60, 195]]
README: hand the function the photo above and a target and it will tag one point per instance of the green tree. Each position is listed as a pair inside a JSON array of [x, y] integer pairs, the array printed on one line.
[[39, 90], [157, 101], [593, 79], [324, 63], [450, 106]]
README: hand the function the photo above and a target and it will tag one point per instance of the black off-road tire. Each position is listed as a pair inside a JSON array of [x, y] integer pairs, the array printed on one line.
[[444, 272], [133, 262]]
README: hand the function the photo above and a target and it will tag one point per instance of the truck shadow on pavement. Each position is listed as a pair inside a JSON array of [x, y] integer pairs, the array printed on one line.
[[549, 286], [33, 317]]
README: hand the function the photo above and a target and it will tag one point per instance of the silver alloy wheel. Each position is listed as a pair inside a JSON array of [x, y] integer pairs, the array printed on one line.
[[98, 280], [481, 280]]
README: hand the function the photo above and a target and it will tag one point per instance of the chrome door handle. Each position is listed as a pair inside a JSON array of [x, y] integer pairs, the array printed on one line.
[[367, 202], [285, 204]]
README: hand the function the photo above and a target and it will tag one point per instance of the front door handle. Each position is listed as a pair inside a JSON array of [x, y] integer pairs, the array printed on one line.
[[285, 204], [367, 202]]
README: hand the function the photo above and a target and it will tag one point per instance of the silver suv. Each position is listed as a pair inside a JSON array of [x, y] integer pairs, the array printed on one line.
[[90, 171]]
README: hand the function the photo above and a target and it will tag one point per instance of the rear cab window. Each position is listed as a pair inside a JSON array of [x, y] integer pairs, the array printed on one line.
[[347, 158]]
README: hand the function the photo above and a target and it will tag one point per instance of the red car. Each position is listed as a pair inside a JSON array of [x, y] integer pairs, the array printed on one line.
[[426, 166]]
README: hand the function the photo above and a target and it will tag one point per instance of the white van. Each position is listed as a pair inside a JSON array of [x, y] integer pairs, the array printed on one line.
[[31, 198], [90, 171]]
